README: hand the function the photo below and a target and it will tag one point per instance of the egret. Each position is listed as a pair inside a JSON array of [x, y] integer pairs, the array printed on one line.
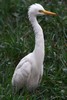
[[29, 71]]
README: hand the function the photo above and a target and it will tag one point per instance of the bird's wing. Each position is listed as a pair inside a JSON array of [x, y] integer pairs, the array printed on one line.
[[22, 61], [21, 75], [24, 65], [23, 70]]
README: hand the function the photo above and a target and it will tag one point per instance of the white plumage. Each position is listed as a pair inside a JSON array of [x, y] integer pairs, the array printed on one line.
[[29, 71]]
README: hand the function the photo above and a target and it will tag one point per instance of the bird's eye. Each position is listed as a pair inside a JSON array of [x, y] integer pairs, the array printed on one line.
[[40, 11]]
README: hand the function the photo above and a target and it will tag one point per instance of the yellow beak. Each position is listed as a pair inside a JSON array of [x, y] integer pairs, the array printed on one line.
[[47, 12]]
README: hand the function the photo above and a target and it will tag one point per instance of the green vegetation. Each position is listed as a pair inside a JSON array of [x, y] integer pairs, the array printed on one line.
[[17, 40]]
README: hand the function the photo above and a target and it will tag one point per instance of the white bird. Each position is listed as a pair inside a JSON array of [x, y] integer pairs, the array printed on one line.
[[29, 71]]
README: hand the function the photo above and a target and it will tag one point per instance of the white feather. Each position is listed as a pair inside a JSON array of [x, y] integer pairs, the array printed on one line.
[[29, 71]]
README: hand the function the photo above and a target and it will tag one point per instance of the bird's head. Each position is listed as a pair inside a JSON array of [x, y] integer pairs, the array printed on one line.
[[37, 9]]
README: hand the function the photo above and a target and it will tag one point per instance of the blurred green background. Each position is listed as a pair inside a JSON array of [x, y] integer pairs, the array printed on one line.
[[17, 40]]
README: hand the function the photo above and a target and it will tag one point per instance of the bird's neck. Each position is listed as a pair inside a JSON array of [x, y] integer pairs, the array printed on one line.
[[39, 39]]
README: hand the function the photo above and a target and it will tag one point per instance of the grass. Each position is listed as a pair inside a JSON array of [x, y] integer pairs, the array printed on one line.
[[17, 40]]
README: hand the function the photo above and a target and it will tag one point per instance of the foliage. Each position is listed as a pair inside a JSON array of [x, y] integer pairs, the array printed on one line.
[[17, 40]]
